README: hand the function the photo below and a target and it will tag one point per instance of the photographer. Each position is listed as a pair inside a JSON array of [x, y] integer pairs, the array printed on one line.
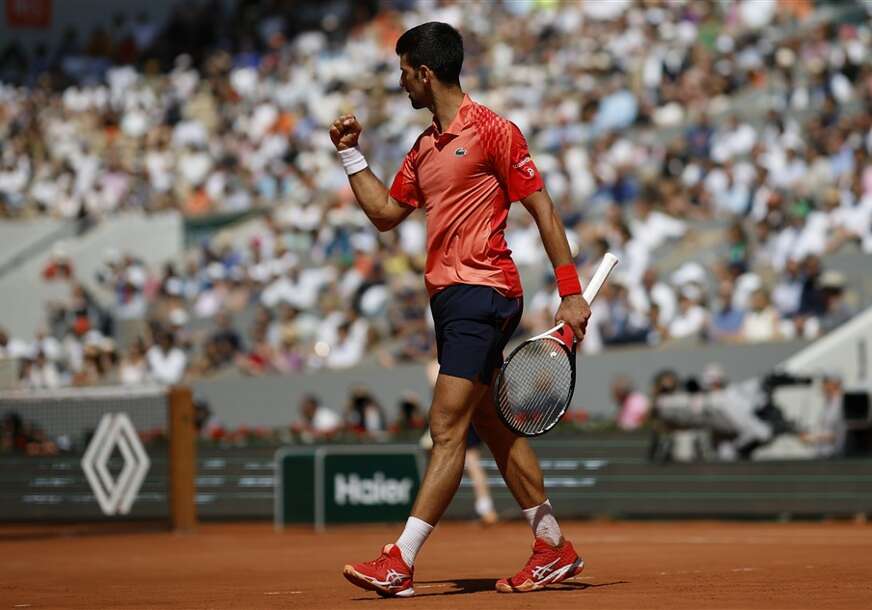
[[828, 435], [727, 417]]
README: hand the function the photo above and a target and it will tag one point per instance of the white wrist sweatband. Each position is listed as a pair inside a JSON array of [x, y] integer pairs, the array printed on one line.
[[352, 160]]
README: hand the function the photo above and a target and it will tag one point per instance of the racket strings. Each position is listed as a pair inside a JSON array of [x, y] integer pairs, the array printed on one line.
[[536, 386]]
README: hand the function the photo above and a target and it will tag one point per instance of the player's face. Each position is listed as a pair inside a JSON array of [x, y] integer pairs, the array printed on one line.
[[414, 85]]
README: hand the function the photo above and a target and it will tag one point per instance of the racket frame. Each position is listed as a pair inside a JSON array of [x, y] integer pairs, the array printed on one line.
[[549, 335], [559, 335]]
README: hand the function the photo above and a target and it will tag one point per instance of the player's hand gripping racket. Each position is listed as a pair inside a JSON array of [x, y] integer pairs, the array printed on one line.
[[533, 389]]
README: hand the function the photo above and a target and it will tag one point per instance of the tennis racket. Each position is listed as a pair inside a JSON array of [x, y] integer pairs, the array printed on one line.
[[535, 384]]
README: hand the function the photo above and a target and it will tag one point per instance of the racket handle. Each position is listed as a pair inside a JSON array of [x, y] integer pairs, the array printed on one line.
[[599, 277], [563, 332]]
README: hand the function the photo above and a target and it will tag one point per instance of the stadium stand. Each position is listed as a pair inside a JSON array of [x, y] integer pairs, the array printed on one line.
[[722, 152]]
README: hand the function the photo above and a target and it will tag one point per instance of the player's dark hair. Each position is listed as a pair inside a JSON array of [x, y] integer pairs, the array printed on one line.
[[435, 45]]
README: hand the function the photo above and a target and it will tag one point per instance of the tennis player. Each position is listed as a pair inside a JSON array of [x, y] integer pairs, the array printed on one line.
[[463, 171]]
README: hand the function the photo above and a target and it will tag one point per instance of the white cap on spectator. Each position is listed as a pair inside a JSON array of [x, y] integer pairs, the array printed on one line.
[[689, 273]]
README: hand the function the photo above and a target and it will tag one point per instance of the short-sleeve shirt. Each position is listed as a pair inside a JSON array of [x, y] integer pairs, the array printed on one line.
[[465, 177]]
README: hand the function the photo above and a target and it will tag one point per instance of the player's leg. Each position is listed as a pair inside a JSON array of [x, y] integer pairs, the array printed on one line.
[[514, 456], [454, 399], [466, 336], [553, 559]]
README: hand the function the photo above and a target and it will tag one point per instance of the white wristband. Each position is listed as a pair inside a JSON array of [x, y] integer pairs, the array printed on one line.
[[352, 160]]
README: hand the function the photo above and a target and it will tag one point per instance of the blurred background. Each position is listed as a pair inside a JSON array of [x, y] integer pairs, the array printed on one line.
[[172, 211]]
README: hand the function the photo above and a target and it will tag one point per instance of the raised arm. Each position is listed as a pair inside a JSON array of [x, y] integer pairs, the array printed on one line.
[[372, 195], [573, 310]]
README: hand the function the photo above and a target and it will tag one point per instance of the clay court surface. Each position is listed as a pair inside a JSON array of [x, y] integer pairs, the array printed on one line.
[[628, 566]]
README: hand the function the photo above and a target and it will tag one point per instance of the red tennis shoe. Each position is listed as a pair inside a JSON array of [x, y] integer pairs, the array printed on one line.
[[547, 565], [388, 575]]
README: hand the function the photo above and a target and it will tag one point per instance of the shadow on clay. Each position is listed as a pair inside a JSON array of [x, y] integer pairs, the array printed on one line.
[[457, 586]]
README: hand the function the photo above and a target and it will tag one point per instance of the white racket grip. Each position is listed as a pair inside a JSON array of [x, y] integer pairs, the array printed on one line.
[[599, 277], [596, 282]]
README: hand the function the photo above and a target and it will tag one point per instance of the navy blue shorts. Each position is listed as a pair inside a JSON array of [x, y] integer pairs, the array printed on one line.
[[473, 440], [473, 325]]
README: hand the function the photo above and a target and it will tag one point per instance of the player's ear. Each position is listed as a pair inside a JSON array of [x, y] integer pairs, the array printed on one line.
[[425, 74]]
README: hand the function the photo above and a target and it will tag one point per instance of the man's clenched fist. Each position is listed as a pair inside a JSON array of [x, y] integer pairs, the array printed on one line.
[[345, 131]]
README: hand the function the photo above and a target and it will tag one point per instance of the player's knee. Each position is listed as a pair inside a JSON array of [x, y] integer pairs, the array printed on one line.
[[448, 431]]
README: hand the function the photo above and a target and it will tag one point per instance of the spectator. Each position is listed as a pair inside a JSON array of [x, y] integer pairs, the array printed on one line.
[[787, 293], [725, 323], [134, 366], [691, 318], [633, 406], [42, 373], [207, 424], [761, 321], [623, 325], [811, 302], [166, 362], [827, 436], [364, 414], [411, 418], [261, 357], [714, 378], [835, 311], [654, 228], [349, 346], [225, 343], [288, 357], [316, 422]]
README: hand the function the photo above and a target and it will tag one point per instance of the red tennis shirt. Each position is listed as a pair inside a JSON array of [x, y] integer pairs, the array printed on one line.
[[465, 177]]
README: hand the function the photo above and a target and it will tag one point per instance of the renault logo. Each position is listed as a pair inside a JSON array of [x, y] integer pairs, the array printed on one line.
[[115, 496]]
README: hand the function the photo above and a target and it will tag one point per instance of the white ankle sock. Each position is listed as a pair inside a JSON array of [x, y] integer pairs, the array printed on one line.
[[483, 506], [543, 522], [413, 538]]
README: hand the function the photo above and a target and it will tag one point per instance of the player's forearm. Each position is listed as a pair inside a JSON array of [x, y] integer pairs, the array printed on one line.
[[372, 197], [553, 234]]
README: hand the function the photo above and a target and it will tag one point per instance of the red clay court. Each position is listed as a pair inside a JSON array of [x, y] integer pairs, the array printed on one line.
[[628, 566]]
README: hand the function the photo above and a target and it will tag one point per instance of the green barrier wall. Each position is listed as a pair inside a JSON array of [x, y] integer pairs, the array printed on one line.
[[605, 474]]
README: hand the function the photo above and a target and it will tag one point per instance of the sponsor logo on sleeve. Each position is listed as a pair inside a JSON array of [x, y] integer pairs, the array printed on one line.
[[525, 166]]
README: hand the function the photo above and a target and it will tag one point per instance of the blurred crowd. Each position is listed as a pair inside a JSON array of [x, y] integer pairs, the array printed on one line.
[[638, 115]]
